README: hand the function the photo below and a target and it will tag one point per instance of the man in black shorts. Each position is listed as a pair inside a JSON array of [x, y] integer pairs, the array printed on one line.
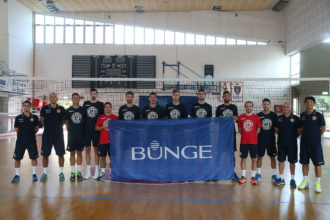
[[92, 109], [175, 109], [201, 109], [288, 130], [129, 111], [74, 122], [153, 110], [313, 127], [26, 126], [52, 119], [266, 139]]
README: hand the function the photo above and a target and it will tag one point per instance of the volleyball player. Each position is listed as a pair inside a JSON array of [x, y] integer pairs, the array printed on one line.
[[92, 109], [266, 139], [129, 111], [74, 122], [102, 125], [153, 110], [249, 127], [175, 109], [26, 126], [313, 127], [52, 119], [201, 109]]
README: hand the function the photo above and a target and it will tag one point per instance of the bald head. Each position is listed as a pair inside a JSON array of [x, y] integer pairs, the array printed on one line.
[[53, 98], [286, 108]]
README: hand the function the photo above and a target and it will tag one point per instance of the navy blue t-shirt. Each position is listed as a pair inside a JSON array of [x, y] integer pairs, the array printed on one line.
[[54, 119], [129, 113], [26, 126], [267, 132], [201, 110], [311, 125], [226, 110], [153, 113], [75, 119], [175, 111], [91, 112], [287, 130]]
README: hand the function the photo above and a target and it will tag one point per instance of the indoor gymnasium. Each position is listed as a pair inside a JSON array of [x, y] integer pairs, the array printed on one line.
[[165, 109]]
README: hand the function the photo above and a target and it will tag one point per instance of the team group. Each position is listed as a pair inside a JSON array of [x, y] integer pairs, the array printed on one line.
[[87, 126]]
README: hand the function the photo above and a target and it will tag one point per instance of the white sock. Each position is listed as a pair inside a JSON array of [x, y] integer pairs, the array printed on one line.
[[281, 176], [103, 170], [61, 169], [306, 178], [45, 170], [259, 170], [318, 179], [88, 169], [292, 177], [243, 173], [274, 171], [79, 168], [253, 173], [17, 171], [34, 169], [72, 169], [96, 168]]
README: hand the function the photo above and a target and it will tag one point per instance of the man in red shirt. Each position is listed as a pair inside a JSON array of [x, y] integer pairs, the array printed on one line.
[[249, 126], [104, 142]]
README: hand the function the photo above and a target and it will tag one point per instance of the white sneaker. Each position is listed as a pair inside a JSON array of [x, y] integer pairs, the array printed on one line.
[[96, 174], [303, 185], [87, 176]]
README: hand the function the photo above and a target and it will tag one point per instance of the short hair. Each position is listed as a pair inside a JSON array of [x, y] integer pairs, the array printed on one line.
[[129, 93], [152, 93], [225, 92], [75, 93], [27, 101], [266, 100], [309, 98], [201, 90], [247, 103], [175, 90], [93, 90], [107, 103]]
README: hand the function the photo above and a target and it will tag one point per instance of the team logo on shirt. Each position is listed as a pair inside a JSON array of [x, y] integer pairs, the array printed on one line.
[[106, 123], [292, 120], [76, 118], [247, 125], [31, 119], [314, 118], [92, 112], [201, 113], [129, 115], [228, 113], [58, 110], [152, 115], [175, 113], [266, 124]]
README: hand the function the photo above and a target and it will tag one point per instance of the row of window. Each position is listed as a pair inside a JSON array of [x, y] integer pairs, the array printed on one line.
[[60, 30], [295, 68]]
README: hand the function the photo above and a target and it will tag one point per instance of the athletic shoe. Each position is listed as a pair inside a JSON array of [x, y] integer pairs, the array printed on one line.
[[87, 176], [279, 182], [43, 178], [274, 178], [254, 181], [236, 178], [303, 185], [34, 178], [293, 184], [258, 177], [101, 176], [61, 177], [242, 180], [96, 175], [79, 176], [318, 187], [15, 179], [73, 176]]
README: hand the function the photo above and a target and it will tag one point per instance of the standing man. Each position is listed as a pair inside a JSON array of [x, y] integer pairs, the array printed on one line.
[[266, 138], [52, 119], [288, 130], [249, 127], [175, 109], [92, 109], [201, 109], [74, 123], [129, 111], [102, 125], [313, 127], [153, 110], [26, 126]]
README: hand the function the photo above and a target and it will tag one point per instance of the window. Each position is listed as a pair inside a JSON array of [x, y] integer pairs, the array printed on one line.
[[190, 39], [231, 41], [159, 36], [169, 37], [99, 33], [89, 32], [179, 38], [210, 40], [39, 36], [79, 31], [149, 36], [241, 42], [251, 42], [59, 30], [108, 34], [139, 35], [49, 31], [220, 41], [69, 22], [119, 34], [129, 35], [200, 39], [295, 68]]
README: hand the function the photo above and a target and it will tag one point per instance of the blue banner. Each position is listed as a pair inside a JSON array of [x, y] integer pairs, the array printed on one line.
[[172, 150]]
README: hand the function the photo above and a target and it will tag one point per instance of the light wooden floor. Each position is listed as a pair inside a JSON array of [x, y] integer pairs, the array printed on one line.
[[112, 200]]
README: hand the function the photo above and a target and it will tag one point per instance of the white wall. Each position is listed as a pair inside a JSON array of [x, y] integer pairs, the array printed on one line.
[[20, 38], [229, 61], [315, 62], [4, 34], [307, 23]]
